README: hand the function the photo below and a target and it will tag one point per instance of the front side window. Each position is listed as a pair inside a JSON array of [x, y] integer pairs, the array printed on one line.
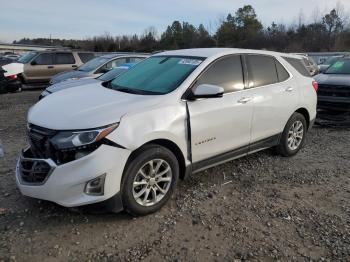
[[64, 58], [156, 75], [112, 74], [44, 59], [226, 72], [115, 63], [261, 70], [340, 67], [135, 59], [93, 64]]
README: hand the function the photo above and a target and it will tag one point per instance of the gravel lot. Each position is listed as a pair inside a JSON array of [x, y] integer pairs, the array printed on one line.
[[262, 207]]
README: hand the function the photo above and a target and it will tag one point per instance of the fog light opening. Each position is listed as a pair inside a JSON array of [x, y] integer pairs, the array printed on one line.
[[95, 187]]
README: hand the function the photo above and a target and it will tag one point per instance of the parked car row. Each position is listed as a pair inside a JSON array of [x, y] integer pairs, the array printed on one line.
[[39, 69], [127, 141]]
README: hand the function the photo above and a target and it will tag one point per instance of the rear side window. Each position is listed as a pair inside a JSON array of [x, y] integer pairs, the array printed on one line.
[[64, 58], [84, 57], [44, 59], [262, 70], [226, 72], [282, 73], [298, 65]]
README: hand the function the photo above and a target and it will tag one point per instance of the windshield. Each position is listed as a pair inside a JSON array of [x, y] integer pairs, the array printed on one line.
[[112, 74], [27, 57], [339, 67], [93, 64], [156, 75]]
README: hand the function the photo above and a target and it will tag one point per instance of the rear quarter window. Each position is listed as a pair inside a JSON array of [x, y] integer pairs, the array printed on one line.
[[298, 65], [282, 73]]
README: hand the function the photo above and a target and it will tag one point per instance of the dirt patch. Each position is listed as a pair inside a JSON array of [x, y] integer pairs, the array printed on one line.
[[261, 207]]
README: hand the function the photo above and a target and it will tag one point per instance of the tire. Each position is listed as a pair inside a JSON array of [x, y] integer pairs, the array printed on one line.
[[286, 147], [143, 205]]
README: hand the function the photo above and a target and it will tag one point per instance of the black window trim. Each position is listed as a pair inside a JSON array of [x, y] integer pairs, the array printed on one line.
[[55, 58], [39, 54], [186, 94], [275, 58]]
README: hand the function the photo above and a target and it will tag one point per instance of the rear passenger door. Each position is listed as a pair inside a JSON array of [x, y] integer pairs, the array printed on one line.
[[221, 125], [64, 61], [275, 97]]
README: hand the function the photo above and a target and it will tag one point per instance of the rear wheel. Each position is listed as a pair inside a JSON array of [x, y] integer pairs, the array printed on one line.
[[149, 180], [293, 136]]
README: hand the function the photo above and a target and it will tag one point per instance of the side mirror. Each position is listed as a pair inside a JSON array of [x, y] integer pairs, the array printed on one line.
[[33, 63], [208, 91]]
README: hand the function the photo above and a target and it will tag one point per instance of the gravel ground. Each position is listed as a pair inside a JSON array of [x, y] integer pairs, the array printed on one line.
[[261, 207]]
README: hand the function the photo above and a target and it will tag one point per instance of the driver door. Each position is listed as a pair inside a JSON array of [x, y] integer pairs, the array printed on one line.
[[220, 127]]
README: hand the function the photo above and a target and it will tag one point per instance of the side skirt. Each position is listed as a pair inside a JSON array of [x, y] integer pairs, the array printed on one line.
[[237, 153]]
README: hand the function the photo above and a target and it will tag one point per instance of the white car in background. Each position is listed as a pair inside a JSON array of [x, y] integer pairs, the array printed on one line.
[[129, 141]]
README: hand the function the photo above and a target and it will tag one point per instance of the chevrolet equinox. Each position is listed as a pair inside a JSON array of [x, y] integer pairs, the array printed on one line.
[[128, 141]]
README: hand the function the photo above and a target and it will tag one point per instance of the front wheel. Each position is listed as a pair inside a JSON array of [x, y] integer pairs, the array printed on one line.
[[293, 136], [149, 180]]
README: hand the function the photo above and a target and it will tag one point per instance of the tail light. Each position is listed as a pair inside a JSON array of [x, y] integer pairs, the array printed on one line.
[[12, 77], [315, 85]]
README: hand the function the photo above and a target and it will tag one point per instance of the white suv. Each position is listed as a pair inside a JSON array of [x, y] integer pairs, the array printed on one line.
[[127, 142]]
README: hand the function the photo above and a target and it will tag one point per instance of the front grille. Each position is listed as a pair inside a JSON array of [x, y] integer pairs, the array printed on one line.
[[34, 171], [334, 90], [39, 140]]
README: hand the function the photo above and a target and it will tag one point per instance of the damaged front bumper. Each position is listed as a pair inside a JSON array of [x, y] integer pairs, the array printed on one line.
[[66, 184]]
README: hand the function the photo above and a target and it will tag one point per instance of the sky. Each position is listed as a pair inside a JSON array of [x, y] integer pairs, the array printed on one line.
[[79, 19]]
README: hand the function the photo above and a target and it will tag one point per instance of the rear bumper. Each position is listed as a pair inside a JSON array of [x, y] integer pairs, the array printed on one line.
[[14, 85]]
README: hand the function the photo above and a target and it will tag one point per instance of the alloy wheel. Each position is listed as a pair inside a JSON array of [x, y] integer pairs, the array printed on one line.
[[295, 135], [152, 182]]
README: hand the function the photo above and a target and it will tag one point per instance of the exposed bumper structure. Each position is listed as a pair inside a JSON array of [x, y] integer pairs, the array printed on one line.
[[65, 184]]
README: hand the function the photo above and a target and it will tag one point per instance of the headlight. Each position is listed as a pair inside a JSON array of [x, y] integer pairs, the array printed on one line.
[[73, 139]]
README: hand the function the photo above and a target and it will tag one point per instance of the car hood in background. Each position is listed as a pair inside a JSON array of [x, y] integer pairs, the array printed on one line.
[[87, 106], [333, 79], [71, 83], [13, 69], [67, 75]]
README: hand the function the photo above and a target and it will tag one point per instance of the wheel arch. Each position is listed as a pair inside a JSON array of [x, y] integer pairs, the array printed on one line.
[[306, 115], [170, 145]]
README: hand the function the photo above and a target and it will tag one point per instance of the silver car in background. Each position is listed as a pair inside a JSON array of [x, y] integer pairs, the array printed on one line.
[[98, 66]]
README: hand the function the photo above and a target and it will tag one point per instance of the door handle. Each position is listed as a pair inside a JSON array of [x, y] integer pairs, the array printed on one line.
[[289, 89], [244, 100], [50, 67], [74, 66]]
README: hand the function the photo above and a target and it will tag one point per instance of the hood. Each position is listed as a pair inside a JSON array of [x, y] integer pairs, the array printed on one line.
[[71, 83], [13, 69], [87, 106], [333, 79], [67, 75]]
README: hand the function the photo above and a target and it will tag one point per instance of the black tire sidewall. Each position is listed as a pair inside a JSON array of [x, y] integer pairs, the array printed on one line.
[[148, 153], [283, 147]]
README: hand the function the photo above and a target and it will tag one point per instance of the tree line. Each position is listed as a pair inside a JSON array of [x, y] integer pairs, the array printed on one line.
[[241, 29]]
